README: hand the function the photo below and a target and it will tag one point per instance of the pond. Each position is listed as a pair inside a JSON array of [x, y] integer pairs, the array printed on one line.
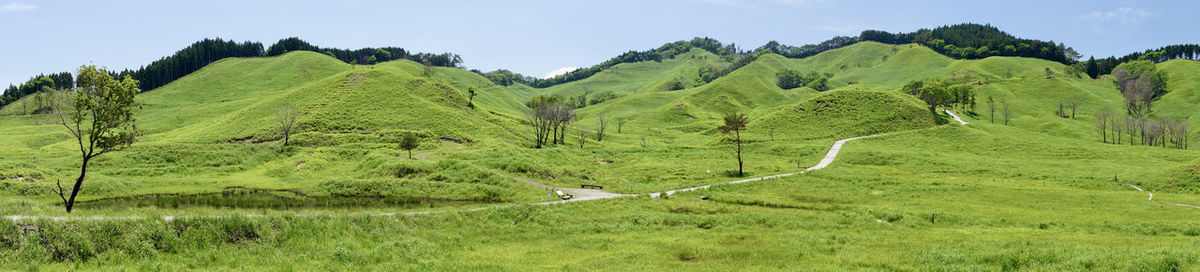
[[263, 199]]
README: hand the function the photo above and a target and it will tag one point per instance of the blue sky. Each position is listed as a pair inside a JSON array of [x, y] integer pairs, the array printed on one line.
[[538, 37]]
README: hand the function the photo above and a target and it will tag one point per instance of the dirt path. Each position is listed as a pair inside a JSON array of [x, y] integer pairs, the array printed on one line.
[[956, 118], [825, 161], [580, 194], [1151, 198]]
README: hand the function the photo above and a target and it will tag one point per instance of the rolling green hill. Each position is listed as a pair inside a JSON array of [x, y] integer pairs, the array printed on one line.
[[1037, 193]]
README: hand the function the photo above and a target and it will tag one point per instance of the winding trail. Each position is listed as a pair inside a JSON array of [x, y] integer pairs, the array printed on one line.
[[1151, 199]]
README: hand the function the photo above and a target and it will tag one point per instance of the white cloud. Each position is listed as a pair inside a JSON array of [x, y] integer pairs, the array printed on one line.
[[560, 71], [16, 6], [1125, 16]]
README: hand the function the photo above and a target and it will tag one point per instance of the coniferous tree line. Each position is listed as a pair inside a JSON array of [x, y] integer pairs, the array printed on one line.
[[201, 53], [1097, 67], [188, 60]]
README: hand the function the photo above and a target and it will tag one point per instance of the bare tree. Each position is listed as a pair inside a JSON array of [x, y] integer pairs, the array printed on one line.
[[1007, 113], [1061, 112], [733, 125], [99, 115], [1132, 127], [1074, 105], [992, 108], [1100, 120], [285, 118], [1117, 125], [603, 124], [582, 136], [1138, 91], [429, 69], [620, 123]]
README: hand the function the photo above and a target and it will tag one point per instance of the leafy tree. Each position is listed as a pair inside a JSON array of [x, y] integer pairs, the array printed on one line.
[[1093, 70], [409, 142], [99, 115], [733, 125], [372, 60], [471, 97]]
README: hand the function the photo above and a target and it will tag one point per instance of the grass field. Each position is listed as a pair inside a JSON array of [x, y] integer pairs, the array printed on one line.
[[1037, 194]]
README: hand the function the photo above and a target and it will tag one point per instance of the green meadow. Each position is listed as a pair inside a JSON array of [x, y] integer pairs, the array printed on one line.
[[1041, 193]]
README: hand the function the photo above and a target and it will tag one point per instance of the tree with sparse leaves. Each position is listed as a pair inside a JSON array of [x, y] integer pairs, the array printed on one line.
[[99, 115], [734, 124], [286, 118]]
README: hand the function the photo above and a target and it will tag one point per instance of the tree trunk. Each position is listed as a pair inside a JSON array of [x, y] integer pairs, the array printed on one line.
[[78, 184], [410, 154], [739, 152]]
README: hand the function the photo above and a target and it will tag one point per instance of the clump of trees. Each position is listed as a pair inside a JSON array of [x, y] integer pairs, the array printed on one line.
[[1119, 129], [941, 93], [788, 79], [504, 77], [975, 41], [588, 99], [549, 116], [733, 125], [37, 84], [363, 56], [669, 50], [98, 114], [1140, 83]]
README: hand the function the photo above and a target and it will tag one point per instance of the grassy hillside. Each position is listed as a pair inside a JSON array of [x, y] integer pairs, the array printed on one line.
[[846, 113], [1037, 193]]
